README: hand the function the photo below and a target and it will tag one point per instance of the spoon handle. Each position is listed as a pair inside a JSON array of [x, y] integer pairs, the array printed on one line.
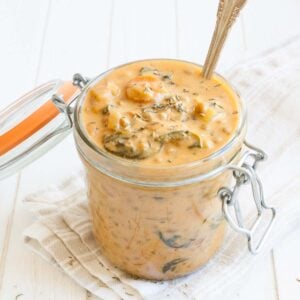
[[228, 11]]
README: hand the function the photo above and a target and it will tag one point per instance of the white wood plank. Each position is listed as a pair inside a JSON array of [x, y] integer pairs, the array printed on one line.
[[142, 30], [287, 266], [7, 204], [258, 283], [77, 39], [28, 274], [196, 21], [73, 42], [268, 23], [7, 196], [66, 49], [21, 31]]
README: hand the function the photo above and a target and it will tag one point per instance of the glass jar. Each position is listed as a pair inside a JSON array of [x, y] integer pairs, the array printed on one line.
[[161, 222]]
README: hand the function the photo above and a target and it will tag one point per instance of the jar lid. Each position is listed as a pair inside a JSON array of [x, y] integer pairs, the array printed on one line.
[[33, 124]]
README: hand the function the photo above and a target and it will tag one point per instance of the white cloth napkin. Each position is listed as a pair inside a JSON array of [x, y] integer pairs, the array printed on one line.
[[270, 85]]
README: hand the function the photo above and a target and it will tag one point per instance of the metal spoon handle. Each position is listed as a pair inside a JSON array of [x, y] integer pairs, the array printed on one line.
[[228, 11]]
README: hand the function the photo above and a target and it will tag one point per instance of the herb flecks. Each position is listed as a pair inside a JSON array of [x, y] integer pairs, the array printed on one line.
[[166, 77], [171, 265], [180, 135], [175, 241], [197, 144], [174, 102], [145, 70], [155, 108], [215, 104], [106, 110]]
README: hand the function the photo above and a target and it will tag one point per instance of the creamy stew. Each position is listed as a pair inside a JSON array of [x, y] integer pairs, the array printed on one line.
[[160, 112]]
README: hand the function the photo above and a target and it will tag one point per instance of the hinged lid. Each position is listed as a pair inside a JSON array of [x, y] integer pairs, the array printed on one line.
[[32, 125]]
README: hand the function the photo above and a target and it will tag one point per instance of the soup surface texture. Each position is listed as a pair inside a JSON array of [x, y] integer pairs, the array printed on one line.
[[160, 112]]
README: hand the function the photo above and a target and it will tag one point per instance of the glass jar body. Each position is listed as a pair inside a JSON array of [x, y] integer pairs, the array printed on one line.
[[156, 222], [157, 232]]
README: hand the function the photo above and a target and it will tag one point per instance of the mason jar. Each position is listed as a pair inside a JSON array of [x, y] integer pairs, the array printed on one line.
[[153, 222]]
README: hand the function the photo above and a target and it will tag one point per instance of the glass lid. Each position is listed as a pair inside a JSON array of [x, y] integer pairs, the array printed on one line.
[[33, 124]]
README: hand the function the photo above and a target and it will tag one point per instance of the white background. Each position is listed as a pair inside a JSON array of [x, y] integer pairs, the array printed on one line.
[[42, 40]]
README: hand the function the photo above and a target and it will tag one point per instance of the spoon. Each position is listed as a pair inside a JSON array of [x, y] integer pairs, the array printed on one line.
[[228, 11]]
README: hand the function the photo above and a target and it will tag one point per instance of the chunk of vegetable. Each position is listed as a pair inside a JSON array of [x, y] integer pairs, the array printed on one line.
[[101, 96], [145, 88], [129, 146], [208, 114], [199, 106], [205, 112], [192, 139], [113, 121], [125, 122], [113, 88]]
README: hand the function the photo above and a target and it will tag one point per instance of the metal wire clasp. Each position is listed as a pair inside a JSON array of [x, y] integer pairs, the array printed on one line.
[[80, 80], [67, 109], [64, 108], [243, 174]]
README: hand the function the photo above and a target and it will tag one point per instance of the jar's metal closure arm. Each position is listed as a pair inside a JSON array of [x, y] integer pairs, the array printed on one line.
[[66, 108], [245, 173]]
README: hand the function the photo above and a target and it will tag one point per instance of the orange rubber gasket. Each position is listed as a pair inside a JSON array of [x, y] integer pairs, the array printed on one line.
[[35, 121]]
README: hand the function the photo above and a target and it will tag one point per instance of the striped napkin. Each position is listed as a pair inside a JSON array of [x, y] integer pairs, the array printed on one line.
[[62, 234]]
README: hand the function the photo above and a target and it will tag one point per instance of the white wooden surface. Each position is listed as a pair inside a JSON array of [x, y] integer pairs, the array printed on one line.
[[42, 40]]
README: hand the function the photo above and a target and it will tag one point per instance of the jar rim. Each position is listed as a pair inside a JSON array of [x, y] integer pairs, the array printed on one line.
[[132, 163]]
